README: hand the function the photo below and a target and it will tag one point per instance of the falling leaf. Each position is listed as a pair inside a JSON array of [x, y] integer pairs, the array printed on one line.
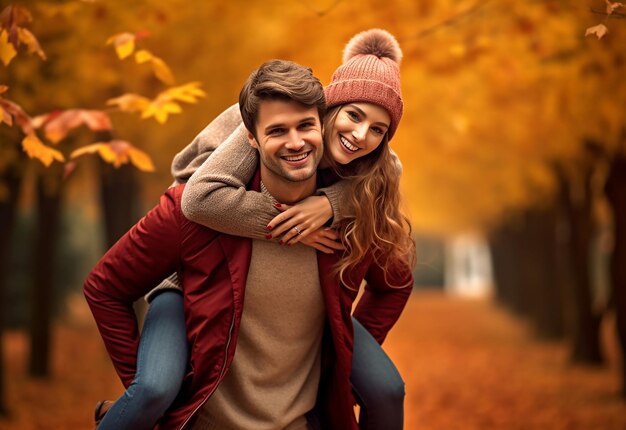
[[7, 50], [599, 30], [124, 44], [117, 152], [58, 124], [29, 39], [130, 102], [34, 148]]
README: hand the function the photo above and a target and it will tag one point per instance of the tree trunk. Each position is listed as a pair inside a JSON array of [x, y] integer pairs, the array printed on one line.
[[616, 193], [119, 194], [49, 187], [585, 319], [546, 309], [505, 257], [8, 208]]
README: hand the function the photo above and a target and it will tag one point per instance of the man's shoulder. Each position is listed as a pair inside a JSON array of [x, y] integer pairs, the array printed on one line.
[[172, 202]]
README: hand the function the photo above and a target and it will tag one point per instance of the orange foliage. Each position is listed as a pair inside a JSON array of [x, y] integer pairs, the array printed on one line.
[[117, 152]]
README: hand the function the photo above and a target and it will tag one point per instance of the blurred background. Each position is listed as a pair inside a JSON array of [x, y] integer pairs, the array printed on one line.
[[514, 154]]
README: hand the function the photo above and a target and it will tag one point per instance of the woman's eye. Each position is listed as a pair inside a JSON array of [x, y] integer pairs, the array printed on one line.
[[378, 130], [353, 115]]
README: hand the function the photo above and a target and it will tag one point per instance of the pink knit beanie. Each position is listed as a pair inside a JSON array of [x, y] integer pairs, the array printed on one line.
[[370, 73]]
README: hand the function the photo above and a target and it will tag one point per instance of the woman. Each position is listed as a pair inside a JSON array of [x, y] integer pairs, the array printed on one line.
[[365, 108]]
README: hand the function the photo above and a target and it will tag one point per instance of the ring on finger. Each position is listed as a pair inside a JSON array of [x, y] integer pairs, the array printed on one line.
[[297, 230]]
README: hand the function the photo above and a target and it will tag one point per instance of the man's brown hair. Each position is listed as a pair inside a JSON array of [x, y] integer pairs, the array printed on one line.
[[279, 80]]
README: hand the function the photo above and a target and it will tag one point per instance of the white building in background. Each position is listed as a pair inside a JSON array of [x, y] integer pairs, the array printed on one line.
[[468, 266]]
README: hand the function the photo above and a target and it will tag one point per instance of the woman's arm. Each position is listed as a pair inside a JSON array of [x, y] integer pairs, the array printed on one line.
[[216, 194], [193, 155]]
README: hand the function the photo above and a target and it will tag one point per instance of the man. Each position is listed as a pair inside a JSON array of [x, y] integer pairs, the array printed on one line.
[[285, 357]]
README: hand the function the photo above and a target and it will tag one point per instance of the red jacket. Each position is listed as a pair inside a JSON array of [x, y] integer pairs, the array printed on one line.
[[212, 268]]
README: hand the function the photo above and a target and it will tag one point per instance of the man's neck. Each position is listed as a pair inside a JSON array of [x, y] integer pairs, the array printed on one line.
[[286, 191]]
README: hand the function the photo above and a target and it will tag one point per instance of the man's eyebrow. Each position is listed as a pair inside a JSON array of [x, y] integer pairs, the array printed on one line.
[[283, 125]]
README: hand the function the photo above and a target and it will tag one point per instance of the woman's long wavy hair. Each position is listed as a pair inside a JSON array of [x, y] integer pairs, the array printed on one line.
[[374, 223]]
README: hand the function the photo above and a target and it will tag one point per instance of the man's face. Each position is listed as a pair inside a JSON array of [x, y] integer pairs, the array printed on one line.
[[289, 140]]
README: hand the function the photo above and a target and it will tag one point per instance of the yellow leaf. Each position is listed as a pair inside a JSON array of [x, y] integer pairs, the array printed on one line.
[[110, 156], [160, 109], [599, 31], [124, 44], [27, 38], [141, 160], [7, 50], [162, 71], [130, 102], [143, 56], [185, 93], [34, 148], [88, 149]]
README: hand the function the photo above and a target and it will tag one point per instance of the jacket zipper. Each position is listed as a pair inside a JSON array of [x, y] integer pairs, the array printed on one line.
[[230, 333]]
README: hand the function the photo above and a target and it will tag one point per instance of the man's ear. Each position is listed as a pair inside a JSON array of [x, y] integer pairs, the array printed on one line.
[[252, 140]]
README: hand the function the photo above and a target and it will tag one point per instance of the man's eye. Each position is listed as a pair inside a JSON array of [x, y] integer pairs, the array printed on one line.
[[307, 125], [276, 131]]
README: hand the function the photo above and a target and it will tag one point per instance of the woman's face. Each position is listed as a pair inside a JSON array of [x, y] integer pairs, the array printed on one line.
[[358, 130]]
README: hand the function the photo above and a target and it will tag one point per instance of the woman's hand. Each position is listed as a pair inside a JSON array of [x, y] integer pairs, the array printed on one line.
[[323, 239], [300, 220]]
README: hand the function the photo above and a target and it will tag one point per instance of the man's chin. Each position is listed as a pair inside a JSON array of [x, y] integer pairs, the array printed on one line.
[[299, 176]]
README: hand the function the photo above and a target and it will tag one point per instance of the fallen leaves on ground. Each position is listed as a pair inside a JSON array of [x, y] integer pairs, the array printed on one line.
[[467, 365]]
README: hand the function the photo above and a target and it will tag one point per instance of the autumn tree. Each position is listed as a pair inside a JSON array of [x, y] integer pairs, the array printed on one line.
[[63, 126]]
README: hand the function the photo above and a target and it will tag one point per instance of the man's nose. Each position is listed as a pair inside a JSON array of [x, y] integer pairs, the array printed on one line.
[[294, 140]]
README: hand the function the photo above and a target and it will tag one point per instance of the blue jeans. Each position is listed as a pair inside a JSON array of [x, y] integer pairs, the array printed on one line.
[[376, 383], [163, 355], [161, 363]]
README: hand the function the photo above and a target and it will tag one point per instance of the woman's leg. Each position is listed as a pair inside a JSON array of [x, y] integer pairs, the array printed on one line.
[[378, 386], [161, 363]]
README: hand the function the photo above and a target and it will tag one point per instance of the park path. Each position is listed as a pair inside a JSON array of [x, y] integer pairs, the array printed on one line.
[[467, 364], [470, 365]]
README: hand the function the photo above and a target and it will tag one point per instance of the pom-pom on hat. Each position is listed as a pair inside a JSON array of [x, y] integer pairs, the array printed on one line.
[[370, 73]]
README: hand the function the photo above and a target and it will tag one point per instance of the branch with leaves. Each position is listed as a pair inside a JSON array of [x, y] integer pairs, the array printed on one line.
[[55, 126], [601, 30]]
